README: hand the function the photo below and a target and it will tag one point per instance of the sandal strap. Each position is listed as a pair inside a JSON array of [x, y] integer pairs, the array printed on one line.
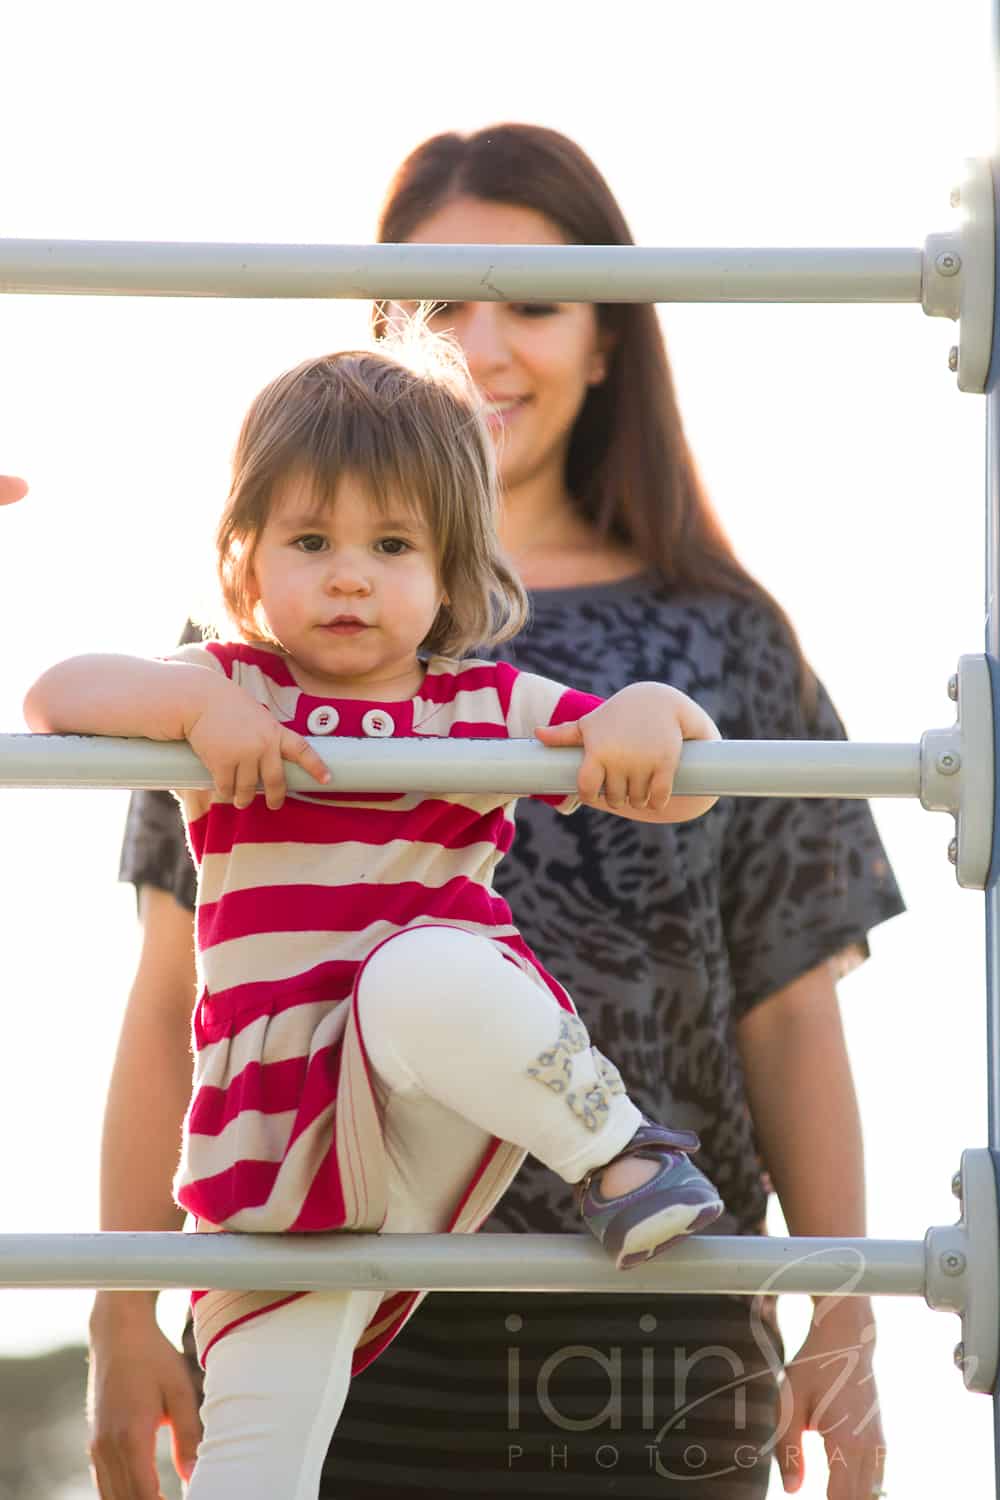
[[649, 1136], [649, 1140]]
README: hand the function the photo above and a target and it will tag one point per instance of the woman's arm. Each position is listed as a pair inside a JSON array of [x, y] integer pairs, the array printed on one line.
[[808, 1128], [804, 1107], [138, 1380]]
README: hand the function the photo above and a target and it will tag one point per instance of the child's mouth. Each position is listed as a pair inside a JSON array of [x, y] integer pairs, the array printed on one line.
[[345, 627]]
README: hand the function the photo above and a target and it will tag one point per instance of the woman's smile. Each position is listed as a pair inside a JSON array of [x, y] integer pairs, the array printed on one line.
[[501, 411]]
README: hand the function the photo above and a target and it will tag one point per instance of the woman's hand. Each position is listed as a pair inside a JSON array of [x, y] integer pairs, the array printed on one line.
[[138, 1383], [241, 745], [830, 1389], [632, 747]]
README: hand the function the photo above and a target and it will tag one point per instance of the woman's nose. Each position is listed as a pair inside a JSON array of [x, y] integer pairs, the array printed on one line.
[[481, 333]]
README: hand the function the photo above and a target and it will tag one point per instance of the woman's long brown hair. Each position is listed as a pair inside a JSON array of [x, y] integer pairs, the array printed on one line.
[[629, 467]]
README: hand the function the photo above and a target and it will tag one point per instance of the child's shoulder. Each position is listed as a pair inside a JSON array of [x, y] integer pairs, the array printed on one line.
[[464, 693], [494, 691], [467, 672], [236, 658]]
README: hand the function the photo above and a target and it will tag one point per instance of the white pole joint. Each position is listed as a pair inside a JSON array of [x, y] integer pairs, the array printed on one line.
[[957, 275]]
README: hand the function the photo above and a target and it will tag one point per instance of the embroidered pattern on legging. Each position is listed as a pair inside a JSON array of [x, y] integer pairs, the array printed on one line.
[[608, 1073], [554, 1068]]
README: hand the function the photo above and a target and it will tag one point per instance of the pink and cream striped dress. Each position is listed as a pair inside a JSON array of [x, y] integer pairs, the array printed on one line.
[[283, 1132]]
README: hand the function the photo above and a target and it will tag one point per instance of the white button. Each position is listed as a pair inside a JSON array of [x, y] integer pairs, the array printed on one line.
[[377, 723], [323, 720]]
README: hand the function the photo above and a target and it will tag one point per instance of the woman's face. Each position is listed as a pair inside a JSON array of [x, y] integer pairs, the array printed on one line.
[[533, 362]]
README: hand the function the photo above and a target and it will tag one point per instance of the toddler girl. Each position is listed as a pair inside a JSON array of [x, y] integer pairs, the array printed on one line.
[[375, 1046]]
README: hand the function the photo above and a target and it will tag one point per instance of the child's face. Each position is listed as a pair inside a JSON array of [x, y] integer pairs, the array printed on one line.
[[349, 592]]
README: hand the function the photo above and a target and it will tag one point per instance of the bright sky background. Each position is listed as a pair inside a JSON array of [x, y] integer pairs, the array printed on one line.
[[845, 463]]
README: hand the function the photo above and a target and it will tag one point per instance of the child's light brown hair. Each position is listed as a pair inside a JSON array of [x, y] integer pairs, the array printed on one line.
[[402, 419]]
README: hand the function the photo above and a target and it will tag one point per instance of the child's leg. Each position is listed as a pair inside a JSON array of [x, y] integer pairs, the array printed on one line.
[[275, 1386], [444, 1014], [446, 1018], [433, 1154], [274, 1389]]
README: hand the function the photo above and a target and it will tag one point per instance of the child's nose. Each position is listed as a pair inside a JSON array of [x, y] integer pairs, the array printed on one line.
[[346, 575]]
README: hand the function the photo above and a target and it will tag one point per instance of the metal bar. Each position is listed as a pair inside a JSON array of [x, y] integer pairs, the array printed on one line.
[[992, 589], [485, 1262], [739, 768], [565, 273], [993, 650], [992, 592]]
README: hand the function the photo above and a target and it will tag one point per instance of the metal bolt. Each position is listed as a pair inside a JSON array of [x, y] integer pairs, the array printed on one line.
[[955, 197], [956, 1184], [948, 263], [953, 687], [953, 357], [953, 1264], [948, 763], [959, 1355], [953, 851]]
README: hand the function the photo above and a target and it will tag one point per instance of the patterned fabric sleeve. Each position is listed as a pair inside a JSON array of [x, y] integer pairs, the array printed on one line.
[[804, 879], [154, 846]]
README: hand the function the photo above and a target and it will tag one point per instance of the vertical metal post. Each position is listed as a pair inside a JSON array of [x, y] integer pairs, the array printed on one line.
[[993, 651], [993, 891]]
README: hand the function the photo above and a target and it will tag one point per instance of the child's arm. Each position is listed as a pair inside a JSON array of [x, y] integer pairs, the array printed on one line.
[[236, 738], [632, 746]]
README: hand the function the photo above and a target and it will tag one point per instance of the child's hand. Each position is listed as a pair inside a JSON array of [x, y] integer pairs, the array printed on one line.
[[632, 747], [242, 745]]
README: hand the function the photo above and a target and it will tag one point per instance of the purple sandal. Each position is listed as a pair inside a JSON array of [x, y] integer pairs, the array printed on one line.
[[678, 1200]]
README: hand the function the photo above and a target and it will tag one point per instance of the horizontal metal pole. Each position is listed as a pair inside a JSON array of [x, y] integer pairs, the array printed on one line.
[[738, 768], [483, 1262], [502, 273]]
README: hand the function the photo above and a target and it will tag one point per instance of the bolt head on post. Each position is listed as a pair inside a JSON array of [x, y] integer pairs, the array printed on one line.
[[953, 358], [953, 687], [959, 1355], [948, 263], [955, 197], [953, 851], [956, 1185]]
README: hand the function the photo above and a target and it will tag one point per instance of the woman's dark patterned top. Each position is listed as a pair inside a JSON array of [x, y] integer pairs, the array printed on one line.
[[664, 935]]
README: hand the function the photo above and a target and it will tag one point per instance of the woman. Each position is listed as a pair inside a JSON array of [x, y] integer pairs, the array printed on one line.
[[703, 958]]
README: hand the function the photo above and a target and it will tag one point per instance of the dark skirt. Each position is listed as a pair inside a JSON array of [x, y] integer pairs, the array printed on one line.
[[560, 1395]]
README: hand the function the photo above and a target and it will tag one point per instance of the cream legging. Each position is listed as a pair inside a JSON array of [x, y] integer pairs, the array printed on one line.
[[464, 1047]]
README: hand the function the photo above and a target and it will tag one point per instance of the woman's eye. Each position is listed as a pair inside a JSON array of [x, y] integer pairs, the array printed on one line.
[[446, 309], [313, 542], [535, 309]]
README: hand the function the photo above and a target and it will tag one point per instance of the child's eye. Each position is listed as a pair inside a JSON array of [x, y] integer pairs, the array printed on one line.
[[535, 309], [311, 542], [393, 546]]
